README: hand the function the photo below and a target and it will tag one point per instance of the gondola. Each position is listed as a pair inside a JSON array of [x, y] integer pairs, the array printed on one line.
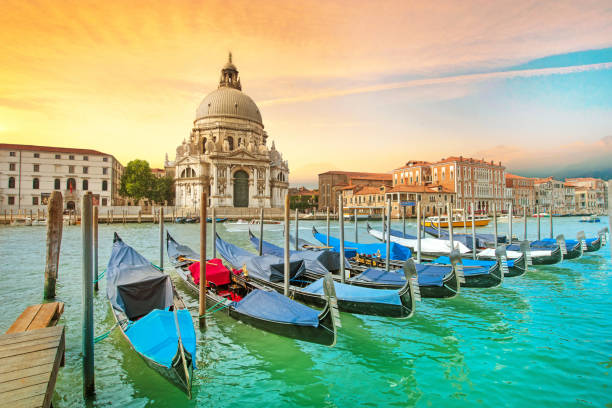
[[398, 252], [482, 240], [243, 299], [307, 288], [217, 220], [435, 281], [482, 274], [541, 252], [431, 248], [571, 249], [151, 315]]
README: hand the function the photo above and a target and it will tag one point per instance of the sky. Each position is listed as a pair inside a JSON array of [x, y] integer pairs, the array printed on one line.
[[341, 85]]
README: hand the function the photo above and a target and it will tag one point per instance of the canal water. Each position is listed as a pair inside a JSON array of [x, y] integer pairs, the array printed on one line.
[[538, 340]]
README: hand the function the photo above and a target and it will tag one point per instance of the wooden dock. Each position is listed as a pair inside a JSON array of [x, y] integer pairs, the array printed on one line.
[[30, 356]]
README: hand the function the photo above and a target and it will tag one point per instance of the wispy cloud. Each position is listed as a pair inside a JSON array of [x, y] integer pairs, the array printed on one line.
[[469, 78]]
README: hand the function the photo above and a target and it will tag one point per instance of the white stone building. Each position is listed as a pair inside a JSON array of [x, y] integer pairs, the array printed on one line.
[[28, 175], [226, 152]]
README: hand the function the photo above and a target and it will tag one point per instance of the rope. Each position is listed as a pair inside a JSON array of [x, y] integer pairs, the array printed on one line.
[[100, 276], [210, 311], [157, 267], [105, 335]]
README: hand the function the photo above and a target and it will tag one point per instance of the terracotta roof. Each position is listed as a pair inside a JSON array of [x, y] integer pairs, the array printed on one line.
[[6, 146], [356, 174], [509, 175], [419, 189], [578, 179], [369, 190], [414, 163], [469, 160]]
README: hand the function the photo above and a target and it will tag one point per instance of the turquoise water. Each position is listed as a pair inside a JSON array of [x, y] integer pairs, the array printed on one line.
[[541, 339]]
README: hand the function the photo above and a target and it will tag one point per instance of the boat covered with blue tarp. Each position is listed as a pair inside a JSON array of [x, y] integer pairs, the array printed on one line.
[[243, 299], [151, 314], [398, 252], [308, 290]]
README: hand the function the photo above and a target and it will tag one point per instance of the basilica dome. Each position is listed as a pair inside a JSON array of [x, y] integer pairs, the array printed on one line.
[[228, 100]]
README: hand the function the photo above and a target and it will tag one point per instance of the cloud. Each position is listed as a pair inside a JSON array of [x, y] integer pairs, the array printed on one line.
[[469, 78]]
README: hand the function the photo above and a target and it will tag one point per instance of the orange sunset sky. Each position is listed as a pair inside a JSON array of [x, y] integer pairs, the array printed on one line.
[[341, 85]]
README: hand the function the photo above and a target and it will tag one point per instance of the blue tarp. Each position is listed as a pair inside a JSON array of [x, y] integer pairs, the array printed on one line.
[[276, 307], [357, 293], [482, 239], [319, 262], [428, 275], [470, 262], [266, 267], [309, 246], [398, 252], [134, 286], [569, 243], [155, 335]]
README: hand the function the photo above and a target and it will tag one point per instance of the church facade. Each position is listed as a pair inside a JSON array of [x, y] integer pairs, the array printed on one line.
[[227, 155]]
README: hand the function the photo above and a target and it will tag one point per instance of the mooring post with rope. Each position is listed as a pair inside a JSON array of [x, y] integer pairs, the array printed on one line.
[[161, 238], [203, 259], [341, 223], [214, 229], [537, 209], [327, 244], [473, 230], [438, 218], [356, 228], [261, 231], [297, 220], [388, 247], [404, 222], [524, 223], [95, 247], [495, 223], [286, 248], [418, 211], [451, 238], [87, 322], [510, 222], [551, 221]]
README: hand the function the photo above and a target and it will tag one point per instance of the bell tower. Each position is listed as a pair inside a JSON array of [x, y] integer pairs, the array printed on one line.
[[229, 75]]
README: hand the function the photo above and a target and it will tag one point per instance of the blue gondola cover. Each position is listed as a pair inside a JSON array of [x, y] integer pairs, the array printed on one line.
[[471, 262], [398, 252], [276, 307], [155, 335], [357, 293]]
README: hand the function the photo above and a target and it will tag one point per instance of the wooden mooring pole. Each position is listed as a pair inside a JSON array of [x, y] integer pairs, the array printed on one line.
[[538, 215], [87, 323], [55, 223], [203, 259], [418, 220], [473, 230], [95, 246], [214, 230], [341, 223], [286, 248], [327, 243], [161, 238], [356, 228], [610, 211], [388, 234], [495, 224], [261, 230], [297, 231], [525, 223]]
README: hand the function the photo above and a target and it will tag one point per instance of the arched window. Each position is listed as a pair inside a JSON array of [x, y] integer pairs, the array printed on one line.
[[188, 172], [35, 184], [56, 184], [230, 142], [85, 185], [104, 185], [203, 145], [70, 184], [11, 182]]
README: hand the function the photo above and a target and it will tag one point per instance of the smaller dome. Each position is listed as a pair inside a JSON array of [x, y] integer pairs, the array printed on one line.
[[229, 65]]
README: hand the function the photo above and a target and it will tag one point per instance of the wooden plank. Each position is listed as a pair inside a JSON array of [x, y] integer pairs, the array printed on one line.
[[27, 349], [33, 342], [31, 402], [23, 321], [16, 384], [59, 359], [26, 392], [44, 316], [29, 335], [34, 359], [15, 375]]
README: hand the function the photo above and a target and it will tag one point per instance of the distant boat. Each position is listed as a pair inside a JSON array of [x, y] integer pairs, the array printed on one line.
[[459, 220], [541, 215], [591, 218], [242, 225]]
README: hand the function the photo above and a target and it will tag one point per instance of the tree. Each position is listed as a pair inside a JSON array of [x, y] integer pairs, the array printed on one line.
[[163, 189], [137, 180]]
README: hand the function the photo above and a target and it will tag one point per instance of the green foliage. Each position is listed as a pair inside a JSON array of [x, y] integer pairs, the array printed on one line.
[[138, 182], [303, 202]]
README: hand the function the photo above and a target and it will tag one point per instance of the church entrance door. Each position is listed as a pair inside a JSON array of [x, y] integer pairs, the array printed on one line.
[[241, 189]]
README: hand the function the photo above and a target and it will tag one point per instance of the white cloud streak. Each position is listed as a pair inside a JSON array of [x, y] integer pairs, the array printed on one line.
[[468, 78]]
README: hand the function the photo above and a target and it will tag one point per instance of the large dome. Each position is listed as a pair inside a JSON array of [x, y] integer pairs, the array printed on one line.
[[228, 102]]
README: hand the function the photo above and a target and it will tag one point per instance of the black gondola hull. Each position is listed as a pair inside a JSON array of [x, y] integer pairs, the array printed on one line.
[[555, 257], [490, 279], [594, 246]]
